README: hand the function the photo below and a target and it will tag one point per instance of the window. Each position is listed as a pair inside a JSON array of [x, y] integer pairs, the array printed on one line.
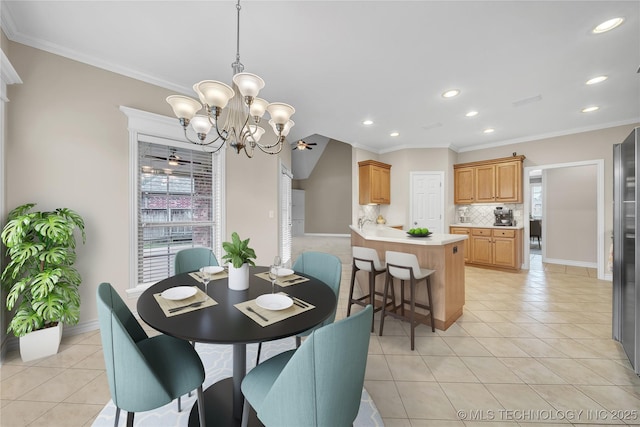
[[536, 200], [175, 206], [176, 197], [285, 213]]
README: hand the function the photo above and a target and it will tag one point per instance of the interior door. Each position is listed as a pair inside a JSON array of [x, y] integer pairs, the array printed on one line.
[[427, 201]]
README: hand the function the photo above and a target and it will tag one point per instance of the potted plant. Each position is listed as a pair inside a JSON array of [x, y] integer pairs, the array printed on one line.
[[240, 256], [40, 278]]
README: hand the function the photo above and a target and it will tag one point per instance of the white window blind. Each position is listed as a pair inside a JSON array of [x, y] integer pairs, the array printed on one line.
[[176, 208], [285, 213]]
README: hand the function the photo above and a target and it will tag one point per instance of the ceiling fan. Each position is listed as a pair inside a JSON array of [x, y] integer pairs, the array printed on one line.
[[301, 145], [173, 159]]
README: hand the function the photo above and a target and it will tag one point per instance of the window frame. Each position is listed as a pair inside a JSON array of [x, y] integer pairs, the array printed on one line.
[[163, 130]]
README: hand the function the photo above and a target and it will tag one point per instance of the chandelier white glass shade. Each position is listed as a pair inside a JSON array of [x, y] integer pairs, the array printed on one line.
[[244, 111]]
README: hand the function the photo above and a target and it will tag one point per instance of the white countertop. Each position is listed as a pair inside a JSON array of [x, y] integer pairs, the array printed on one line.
[[387, 234], [470, 225]]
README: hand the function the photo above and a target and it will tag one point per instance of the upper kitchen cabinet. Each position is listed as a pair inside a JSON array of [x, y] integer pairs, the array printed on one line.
[[489, 181], [375, 183]]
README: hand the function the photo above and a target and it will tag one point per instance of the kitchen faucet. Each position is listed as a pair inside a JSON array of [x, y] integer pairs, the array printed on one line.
[[362, 222]]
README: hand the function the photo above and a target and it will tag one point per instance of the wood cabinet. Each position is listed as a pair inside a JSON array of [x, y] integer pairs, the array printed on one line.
[[467, 244], [375, 183], [464, 179], [490, 181], [492, 247]]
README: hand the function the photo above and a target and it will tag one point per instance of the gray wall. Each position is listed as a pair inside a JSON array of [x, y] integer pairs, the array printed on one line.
[[328, 191]]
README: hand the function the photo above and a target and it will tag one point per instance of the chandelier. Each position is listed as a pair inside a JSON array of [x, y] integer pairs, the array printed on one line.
[[244, 110]]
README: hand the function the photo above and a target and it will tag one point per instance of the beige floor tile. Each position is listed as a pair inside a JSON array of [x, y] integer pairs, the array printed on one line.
[[396, 345], [425, 400], [572, 348], [617, 373], [570, 398], [502, 347], [621, 404], [95, 392], [608, 348], [535, 347], [25, 381], [470, 397], [387, 398], [58, 388], [511, 330], [396, 422], [22, 413], [409, 368], [480, 329], [69, 415], [531, 371], [574, 372], [449, 369], [69, 356], [466, 346], [490, 370], [434, 423], [518, 398], [377, 368], [433, 346]]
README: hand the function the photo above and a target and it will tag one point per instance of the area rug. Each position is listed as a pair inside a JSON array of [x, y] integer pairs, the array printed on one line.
[[217, 361]]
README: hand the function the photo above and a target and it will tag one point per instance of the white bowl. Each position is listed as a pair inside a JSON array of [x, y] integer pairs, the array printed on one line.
[[284, 272], [211, 269]]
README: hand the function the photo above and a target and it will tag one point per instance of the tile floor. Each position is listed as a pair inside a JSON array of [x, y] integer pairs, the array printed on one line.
[[531, 347]]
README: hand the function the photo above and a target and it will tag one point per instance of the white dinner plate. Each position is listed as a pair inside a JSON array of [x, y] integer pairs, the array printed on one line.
[[211, 269], [284, 272], [179, 292], [274, 301]]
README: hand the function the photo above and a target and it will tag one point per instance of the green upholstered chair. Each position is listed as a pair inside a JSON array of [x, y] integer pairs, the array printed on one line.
[[322, 266], [325, 267], [144, 373], [318, 384], [193, 259]]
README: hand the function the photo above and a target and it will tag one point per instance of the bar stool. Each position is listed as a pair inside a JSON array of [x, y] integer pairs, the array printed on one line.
[[366, 259], [405, 266]]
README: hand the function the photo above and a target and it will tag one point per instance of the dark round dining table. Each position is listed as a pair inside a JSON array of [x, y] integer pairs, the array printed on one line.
[[225, 324]]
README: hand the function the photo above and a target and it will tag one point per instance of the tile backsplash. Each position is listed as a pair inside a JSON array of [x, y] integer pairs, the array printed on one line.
[[483, 214]]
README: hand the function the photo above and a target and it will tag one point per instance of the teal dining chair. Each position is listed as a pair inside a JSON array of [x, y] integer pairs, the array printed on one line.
[[144, 372], [318, 384], [325, 267], [192, 259], [322, 266]]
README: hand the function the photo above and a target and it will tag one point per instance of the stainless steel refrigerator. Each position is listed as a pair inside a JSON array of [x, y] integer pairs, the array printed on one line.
[[626, 256]]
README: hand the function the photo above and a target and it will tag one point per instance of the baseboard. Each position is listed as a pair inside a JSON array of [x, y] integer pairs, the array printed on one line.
[[570, 262]]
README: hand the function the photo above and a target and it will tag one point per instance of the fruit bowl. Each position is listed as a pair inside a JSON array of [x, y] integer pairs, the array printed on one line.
[[420, 235]]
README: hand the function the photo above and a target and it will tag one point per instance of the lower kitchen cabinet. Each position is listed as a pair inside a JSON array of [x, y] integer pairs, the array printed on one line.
[[492, 247]]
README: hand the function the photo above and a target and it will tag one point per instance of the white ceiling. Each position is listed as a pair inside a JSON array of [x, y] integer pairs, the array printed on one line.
[[340, 62]]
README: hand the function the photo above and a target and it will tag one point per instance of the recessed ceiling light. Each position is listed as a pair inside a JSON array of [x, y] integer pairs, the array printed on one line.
[[595, 80], [394, 133], [590, 109], [608, 25], [367, 122], [471, 114], [489, 130], [451, 93]]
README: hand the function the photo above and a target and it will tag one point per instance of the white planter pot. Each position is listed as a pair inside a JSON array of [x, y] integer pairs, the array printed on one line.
[[239, 277], [40, 343]]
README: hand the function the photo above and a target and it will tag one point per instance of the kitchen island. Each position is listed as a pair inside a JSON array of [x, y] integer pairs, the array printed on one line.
[[443, 253]]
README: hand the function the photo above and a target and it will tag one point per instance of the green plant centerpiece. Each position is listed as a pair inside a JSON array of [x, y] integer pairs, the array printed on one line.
[[40, 277], [239, 256], [238, 252]]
